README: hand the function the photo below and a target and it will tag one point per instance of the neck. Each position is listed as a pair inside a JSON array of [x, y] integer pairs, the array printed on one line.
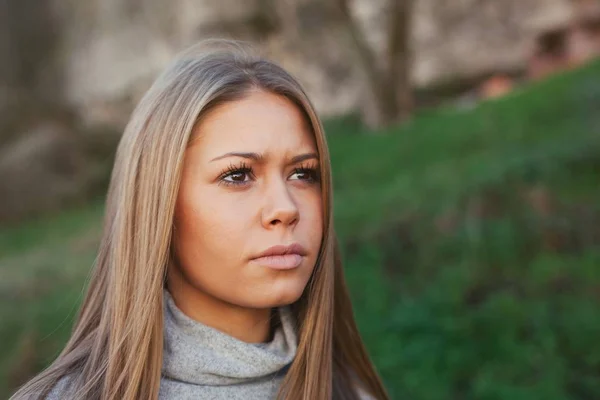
[[250, 325]]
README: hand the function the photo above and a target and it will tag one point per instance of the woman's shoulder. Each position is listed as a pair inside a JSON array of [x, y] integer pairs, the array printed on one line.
[[61, 390], [363, 394], [36, 390], [361, 391]]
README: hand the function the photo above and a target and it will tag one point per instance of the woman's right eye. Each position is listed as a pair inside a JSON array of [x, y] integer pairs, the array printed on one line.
[[239, 175]]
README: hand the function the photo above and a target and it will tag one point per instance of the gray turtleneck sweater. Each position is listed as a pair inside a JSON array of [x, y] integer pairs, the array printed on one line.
[[200, 362]]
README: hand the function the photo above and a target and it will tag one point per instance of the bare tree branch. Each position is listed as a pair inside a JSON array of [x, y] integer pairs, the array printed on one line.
[[364, 54]]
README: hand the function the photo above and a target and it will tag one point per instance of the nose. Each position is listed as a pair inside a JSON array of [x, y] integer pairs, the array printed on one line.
[[279, 206]]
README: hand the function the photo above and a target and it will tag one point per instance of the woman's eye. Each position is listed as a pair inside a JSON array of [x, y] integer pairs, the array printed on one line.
[[305, 174], [236, 177]]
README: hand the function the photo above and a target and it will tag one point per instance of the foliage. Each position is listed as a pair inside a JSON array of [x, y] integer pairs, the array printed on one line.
[[484, 229]]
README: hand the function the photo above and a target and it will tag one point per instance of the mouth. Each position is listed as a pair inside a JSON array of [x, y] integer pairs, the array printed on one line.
[[281, 257]]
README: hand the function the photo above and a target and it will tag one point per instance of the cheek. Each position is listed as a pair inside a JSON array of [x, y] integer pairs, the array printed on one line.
[[212, 229], [314, 208], [311, 217], [209, 245]]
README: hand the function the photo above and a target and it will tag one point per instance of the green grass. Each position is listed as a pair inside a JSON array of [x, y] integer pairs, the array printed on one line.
[[471, 240]]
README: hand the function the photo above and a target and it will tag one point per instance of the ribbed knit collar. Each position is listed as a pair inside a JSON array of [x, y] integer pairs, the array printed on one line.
[[201, 355]]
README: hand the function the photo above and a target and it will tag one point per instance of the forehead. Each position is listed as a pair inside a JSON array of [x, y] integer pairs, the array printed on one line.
[[259, 122]]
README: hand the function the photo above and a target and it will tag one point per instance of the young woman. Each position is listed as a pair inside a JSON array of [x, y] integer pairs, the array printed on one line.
[[218, 274]]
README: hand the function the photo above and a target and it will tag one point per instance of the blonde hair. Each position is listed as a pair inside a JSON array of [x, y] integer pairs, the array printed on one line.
[[116, 347]]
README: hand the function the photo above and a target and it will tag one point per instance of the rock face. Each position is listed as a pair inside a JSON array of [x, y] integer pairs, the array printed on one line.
[[95, 59], [100, 55], [463, 38], [114, 48], [103, 53]]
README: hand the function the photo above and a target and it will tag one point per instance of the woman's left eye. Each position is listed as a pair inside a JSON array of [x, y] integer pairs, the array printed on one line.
[[237, 177], [305, 174]]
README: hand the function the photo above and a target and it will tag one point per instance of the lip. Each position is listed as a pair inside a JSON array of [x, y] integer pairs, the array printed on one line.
[[281, 257], [282, 250]]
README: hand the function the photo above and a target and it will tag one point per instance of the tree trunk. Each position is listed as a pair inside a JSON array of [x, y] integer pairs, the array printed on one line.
[[389, 96], [400, 57]]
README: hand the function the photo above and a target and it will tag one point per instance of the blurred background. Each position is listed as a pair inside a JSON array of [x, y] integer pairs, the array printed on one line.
[[465, 141]]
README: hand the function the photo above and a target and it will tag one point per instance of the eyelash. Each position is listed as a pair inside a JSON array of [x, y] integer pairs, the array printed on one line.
[[244, 168]]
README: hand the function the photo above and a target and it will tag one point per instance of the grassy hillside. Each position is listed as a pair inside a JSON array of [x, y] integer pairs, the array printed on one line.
[[472, 246]]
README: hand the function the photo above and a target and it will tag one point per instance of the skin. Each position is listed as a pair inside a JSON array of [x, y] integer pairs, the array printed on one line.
[[221, 226]]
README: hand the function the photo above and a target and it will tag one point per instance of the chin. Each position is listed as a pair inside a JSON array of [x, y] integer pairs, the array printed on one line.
[[286, 299], [280, 295]]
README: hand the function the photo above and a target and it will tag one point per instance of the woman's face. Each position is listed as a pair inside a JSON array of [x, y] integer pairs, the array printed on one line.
[[250, 182]]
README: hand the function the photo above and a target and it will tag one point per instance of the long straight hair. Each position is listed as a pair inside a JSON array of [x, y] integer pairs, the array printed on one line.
[[116, 347]]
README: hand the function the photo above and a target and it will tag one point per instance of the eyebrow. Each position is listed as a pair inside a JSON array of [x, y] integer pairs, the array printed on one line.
[[261, 158]]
